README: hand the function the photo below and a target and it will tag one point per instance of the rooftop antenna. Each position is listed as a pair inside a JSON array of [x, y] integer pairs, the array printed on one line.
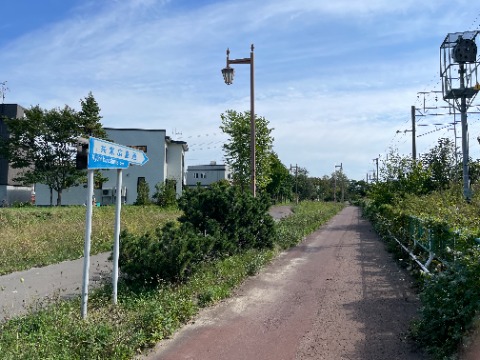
[[459, 73]]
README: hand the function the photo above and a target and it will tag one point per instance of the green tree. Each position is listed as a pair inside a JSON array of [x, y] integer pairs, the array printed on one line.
[[280, 185], [90, 125], [237, 149], [43, 145], [441, 162], [323, 188], [90, 118], [165, 194], [304, 186], [357, 189], [143, 194]]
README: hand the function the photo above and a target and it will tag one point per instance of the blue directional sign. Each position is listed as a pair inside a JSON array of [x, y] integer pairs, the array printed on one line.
[[107, 155]]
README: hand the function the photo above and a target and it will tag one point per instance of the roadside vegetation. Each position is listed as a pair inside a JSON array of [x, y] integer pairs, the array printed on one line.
[[35, 237], [150, 308], [430, 192]]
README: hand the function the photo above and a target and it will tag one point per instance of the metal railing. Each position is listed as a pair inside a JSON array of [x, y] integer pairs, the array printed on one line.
[[425, 240]]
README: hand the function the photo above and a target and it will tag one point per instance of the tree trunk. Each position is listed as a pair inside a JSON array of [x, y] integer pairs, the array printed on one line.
[[59, 197], [51, 196]]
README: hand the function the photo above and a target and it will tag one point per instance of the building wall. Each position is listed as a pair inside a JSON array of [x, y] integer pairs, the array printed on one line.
[[176, 164], [75, 195], [206, 175], [11, 191], [155, 170], [7, 173]]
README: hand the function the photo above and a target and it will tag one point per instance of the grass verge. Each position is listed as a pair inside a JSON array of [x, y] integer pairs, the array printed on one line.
[[143, 316], [35, 237]]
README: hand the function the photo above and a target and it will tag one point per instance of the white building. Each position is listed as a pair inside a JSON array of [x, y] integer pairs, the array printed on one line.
[[205, 175], [166, 161]]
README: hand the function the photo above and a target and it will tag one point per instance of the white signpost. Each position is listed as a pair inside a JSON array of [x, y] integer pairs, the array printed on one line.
[[106, 155]]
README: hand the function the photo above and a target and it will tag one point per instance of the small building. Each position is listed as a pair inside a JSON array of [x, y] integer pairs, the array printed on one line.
[[166, 162], [11, 191], [205, 175]]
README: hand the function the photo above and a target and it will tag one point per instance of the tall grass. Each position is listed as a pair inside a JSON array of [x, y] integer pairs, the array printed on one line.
[[143, 316], [34, 237]]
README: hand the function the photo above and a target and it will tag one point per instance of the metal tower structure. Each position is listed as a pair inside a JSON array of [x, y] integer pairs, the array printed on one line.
[[459, 73]]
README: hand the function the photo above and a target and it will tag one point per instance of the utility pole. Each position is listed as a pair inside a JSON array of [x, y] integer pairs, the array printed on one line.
[[414, 145], [376, 176], [296, 181], [335, 183]]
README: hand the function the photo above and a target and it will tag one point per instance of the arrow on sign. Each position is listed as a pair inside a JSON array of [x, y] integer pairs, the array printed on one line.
[[107, 155]]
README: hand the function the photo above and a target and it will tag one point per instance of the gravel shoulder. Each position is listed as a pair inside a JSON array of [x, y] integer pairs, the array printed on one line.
[[338, 295]]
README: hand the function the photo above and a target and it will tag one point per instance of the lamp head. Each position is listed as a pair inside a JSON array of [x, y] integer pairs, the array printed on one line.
[[228, 73]]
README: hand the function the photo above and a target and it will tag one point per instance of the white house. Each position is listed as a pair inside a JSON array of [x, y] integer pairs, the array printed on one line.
[[205, 175], [165, 162]]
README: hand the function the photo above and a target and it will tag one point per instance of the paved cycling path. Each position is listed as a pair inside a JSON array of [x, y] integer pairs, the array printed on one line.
[[23, 291], [338, 295]]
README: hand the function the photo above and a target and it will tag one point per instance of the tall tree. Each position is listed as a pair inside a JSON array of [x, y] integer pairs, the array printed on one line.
[[42, 144], [280, 185], [90, 118], [323, 188], [90, 125], [441, 162], [237, 150], [303, 185]]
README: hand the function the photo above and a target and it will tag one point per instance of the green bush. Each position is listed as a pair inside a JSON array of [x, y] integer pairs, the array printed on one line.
[[242, 220], [217, 222], [451, 301], [170, 254], [165, 194]]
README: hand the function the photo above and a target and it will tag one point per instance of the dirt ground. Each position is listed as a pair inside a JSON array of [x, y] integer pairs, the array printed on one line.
[[338, 295]]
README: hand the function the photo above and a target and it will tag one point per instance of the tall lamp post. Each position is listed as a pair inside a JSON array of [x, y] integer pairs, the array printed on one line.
[[228, 73]]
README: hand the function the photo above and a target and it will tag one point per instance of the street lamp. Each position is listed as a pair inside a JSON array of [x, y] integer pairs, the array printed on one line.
[[228, 73]]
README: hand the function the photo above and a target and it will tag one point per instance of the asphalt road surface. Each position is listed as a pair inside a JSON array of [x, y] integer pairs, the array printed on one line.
[[338, 295], [24, 291]]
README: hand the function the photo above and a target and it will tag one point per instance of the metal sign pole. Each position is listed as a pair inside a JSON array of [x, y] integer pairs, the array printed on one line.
[[116, 240], [104, 154], [86, 251]]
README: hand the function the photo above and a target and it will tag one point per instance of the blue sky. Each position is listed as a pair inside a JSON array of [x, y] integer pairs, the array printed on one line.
[[336, 79]]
